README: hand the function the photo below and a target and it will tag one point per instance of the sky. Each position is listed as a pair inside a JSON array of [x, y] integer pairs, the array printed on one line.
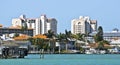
[[106, 12]]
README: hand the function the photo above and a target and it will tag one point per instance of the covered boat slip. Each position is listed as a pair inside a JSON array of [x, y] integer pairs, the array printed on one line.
[[14, 49]]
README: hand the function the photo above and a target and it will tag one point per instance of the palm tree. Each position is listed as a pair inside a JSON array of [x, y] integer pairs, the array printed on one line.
[[51, 36], [68, 36], [80, 37], [60, 38], [99, 36], [101, 45]]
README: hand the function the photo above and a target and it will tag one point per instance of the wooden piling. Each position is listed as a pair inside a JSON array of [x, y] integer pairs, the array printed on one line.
[[41, 53]]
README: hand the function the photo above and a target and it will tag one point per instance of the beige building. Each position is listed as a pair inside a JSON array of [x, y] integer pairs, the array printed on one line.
[[39, 25], [83, 25]]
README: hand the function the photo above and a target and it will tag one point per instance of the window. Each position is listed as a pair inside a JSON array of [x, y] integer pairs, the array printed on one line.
[[79, 23]]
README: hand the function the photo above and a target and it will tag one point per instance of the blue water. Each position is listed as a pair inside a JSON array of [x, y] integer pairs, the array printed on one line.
[[65, 59]]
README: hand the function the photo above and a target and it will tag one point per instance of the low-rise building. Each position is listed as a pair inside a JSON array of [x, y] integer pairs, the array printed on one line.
[[109, 36], [14, 49], [18, 30]]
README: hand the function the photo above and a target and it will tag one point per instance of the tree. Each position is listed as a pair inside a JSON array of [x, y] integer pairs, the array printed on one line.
[[31, 40], [81, 37], [50, 34], [99, 39], [99, 36], [24, 26], [101, 45], [51, 37], [68, 35], [40, 43], [100, 33], [60, 38]]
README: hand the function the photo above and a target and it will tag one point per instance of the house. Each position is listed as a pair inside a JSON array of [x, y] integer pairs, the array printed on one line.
[[14, 49]]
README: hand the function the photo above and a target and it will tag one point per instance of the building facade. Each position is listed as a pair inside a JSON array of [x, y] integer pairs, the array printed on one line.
[[9, 30], [39, 25], [83, 25], [108, 36]]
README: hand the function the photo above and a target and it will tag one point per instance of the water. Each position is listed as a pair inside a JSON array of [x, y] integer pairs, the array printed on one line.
[[65, 59]]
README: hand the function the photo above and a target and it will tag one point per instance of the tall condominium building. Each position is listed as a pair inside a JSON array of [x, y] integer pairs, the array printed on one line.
[[83, 25], [39, 25]]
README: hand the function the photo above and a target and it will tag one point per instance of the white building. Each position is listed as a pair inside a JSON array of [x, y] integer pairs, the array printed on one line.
[[109, 36], [83, 25], [39, 25]]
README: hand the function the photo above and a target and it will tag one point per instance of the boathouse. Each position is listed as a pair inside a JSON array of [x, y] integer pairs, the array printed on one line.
[[14, 49]]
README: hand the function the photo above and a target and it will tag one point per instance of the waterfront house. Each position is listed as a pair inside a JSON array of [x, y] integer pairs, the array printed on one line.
[[12, 49], [115, 42]]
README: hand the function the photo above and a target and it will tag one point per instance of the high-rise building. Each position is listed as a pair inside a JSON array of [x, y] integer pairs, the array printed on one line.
[[39, 25], [83, 25]]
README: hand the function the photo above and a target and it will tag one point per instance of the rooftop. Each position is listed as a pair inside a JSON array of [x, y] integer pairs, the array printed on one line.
[[1, 25], [107, 34], [22, 37], [40, 36]]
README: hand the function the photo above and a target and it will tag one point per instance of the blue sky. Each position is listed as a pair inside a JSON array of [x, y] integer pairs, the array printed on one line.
[[106, 12]]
